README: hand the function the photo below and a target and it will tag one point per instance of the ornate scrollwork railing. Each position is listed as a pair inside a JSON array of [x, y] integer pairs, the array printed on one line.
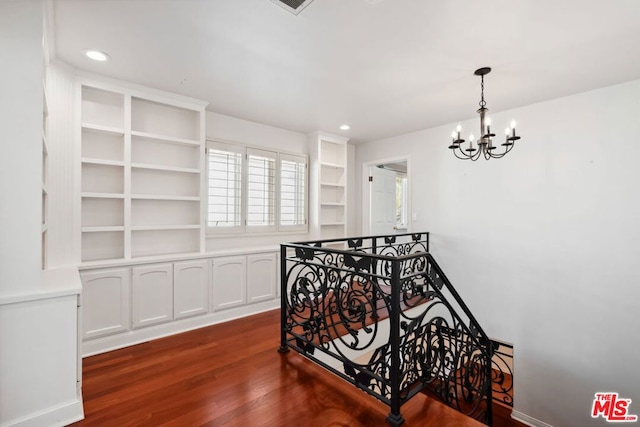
[[502, 373], [383, 316]]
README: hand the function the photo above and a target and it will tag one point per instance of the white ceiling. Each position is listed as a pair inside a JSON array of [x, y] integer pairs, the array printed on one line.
[[385, 67]]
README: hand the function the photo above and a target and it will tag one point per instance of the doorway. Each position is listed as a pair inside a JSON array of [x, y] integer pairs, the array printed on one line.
[[386, 197]]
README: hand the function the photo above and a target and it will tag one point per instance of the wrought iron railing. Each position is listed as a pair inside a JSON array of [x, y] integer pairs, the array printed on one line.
[[379, 312], [502, 373]]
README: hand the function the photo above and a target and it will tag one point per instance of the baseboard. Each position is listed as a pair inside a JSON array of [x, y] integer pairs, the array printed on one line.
[[57, 416], [137, 336], [526, 419]]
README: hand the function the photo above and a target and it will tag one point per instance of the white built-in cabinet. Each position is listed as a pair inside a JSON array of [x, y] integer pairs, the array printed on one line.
[[141, 178], [190, 288], [328, 186], [152, 294], [240, 280], [229, 282], [261, 277], [105, 302], [132, 303]]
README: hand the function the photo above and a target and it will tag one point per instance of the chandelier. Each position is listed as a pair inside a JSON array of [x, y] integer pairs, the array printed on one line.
[[485, 145]]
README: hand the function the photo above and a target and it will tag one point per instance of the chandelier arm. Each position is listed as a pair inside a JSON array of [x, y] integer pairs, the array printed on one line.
[[464, 157], [464, 153], [497, 155], [507, 149], [504, 153], [461, 158], [477, 155]]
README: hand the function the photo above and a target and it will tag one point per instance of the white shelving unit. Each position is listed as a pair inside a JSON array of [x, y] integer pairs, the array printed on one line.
[[328, 185], [142, 181]]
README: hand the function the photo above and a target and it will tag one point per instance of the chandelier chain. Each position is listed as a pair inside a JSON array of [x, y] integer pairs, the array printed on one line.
[[482, 101]]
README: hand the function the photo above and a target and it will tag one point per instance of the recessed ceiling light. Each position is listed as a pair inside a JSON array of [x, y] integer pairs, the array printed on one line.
[[345, 127], [97, 55]]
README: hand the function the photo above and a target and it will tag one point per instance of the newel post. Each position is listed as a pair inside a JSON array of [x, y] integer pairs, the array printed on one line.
[[283, 300], [395, 418]]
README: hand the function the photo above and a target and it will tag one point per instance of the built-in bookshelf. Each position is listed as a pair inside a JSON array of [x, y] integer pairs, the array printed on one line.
[[328, 185], [142, 158]]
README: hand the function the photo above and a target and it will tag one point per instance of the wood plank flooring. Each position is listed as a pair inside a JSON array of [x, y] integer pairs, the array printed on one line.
[[232, 375]]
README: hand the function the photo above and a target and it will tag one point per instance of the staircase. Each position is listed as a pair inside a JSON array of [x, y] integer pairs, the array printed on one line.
[[380, 313]]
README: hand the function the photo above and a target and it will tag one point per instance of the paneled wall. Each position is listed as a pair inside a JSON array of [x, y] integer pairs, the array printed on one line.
[[21, 120], [63, 162]]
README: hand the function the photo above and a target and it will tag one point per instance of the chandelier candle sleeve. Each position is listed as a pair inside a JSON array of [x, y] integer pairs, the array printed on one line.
[[453, 140], [471, 149]]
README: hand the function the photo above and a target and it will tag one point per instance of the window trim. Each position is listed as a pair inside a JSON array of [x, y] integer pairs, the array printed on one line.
[[244, 229], [402, 225]]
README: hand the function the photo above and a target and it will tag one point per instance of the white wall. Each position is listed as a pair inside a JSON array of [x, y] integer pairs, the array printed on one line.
[[542, 244], [226, 128], [21, 142]]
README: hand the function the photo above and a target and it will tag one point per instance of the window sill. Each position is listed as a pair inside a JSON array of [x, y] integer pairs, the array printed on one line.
[[249, 234]]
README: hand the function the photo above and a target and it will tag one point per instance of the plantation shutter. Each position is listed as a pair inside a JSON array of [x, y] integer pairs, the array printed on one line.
[[293, 199], [224, 164], [261, 190]]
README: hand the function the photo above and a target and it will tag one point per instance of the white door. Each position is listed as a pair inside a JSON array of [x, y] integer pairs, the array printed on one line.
[[382, 211]]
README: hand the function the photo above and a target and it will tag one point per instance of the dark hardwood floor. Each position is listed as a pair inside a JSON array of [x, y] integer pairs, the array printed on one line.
[[232, 375]]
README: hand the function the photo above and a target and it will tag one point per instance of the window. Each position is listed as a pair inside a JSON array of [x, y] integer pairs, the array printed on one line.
[[254, 190], [261, 189], [225, 186], [293, 203], [401, 201]]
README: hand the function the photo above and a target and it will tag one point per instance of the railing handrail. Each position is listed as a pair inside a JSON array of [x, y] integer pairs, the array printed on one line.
[[341, 239], [312, 245], [458, 299]]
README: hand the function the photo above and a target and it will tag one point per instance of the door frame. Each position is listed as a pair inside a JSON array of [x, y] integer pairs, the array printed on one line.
[[366, 193]]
